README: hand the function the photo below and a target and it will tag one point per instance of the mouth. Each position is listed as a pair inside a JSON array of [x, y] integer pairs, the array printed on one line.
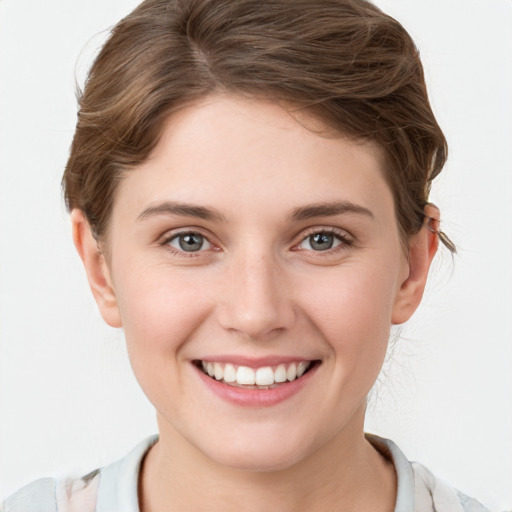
[[265, 377]]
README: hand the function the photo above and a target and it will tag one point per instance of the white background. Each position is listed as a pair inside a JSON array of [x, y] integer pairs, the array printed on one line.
[[68, 401]]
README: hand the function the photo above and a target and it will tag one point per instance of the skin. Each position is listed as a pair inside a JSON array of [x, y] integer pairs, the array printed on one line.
[[257, 288]]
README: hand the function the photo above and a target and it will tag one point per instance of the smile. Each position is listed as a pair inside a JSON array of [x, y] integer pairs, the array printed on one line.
[[265, 377]]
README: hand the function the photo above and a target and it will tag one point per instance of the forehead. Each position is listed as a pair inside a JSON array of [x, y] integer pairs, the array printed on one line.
[[230, 151]]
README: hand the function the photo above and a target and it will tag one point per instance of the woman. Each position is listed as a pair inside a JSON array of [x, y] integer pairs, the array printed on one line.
[[248, 187]]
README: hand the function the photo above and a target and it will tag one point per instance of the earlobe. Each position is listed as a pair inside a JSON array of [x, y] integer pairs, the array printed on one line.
[[422, 249], [96, 267]]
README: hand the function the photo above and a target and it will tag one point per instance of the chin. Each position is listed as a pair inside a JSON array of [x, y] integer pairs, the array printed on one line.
[[256, 460], [264, 452]]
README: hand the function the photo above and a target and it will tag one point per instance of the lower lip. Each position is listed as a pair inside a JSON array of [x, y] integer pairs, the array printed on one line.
[[251, 397]]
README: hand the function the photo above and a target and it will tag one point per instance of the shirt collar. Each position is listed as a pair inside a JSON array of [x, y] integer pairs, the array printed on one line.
[[118, 488], [403, 469], [119, 481]]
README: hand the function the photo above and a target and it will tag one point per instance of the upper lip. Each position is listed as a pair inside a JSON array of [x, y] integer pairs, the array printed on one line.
[[255, 362]]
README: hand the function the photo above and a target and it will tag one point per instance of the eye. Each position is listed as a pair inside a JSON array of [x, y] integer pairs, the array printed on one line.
[[189, 242], [323, 241]]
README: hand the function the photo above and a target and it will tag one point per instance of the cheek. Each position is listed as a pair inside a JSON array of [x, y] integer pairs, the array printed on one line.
[[160, 308], [352, 308], [161, 311]]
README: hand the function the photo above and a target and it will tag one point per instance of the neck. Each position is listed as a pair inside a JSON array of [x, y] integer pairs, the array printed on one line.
[[347, 473]]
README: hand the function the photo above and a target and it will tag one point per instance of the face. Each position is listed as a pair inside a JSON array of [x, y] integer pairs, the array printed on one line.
[[249, 247]]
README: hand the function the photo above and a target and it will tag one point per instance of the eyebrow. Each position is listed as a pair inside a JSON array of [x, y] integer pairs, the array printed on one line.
[[176, 208], [329, 209]]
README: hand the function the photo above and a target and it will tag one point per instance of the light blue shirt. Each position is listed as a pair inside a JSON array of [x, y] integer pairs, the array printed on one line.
[[114, 487]]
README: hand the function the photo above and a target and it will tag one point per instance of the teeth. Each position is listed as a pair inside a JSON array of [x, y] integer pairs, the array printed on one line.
[[301, 368], [291, 373], [218, 371], [230, 373], [263, 377], [280, 373], [245, 375]]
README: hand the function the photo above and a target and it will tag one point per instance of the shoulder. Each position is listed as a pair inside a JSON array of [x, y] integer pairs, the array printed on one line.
[[113, 487], [52, 495], [443, 497], [38, 496], [418, 489]]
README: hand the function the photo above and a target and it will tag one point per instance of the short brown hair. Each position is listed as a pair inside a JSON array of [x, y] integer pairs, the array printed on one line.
[[342, 60]]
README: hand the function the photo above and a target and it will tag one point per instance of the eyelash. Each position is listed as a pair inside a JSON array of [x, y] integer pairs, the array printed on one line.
[[346, 241], [181, 253]]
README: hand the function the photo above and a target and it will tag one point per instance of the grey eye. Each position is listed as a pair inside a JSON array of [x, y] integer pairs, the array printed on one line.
[[320, 242], [190, 242]]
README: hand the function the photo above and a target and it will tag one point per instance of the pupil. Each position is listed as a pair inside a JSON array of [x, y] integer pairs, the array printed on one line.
[[321, 241], [191, 242]]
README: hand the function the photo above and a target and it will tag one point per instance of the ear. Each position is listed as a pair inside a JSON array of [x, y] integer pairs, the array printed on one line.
[[96, 268], [422, 249]]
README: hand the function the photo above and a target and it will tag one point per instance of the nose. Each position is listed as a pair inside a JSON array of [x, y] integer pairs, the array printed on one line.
[[257, 301]]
